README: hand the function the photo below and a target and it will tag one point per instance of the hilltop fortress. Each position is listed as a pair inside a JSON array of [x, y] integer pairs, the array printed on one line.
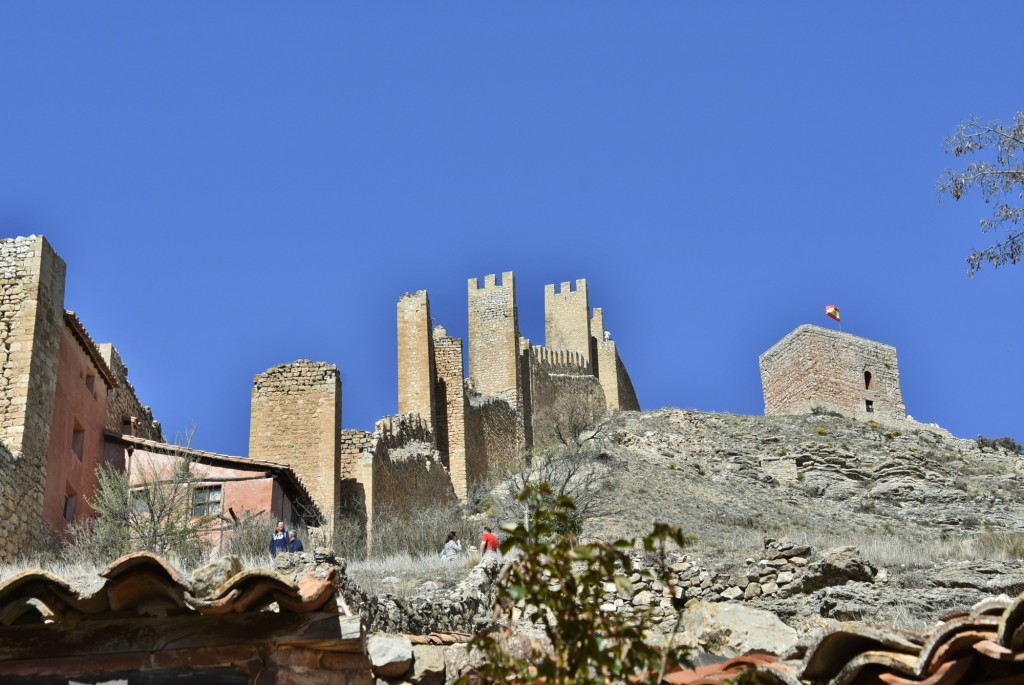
[[66, 406], [450, 429]]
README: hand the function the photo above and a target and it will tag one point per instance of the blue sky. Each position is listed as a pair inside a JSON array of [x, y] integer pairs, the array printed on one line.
[[237, 185]]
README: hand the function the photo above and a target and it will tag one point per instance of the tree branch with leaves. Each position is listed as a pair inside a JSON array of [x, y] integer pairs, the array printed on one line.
[[998, 176]]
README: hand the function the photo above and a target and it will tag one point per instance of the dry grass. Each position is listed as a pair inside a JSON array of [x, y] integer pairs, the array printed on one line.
[[404, 574]]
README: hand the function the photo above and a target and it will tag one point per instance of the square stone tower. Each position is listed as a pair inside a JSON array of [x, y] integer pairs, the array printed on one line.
[[815, 367], [296, 420], [494, 337], [567, 319]]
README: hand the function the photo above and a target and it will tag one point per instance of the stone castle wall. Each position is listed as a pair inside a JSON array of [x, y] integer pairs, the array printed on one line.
[[450, 402], [817, 368], [31, 326], [611, 372], [557, 401], [567, 319], [296, 420], [416, 357], [125, 413]]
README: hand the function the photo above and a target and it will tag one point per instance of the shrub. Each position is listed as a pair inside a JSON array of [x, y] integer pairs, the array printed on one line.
[[1005, 443], [781, 452], [418, 532], [250, 535], [822, 411], [559, 585], [821, 430], [889, 435]]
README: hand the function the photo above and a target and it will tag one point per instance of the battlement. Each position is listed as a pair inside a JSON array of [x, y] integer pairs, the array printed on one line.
[[567, 319], [558, 361], [566, 287], [490, 282]]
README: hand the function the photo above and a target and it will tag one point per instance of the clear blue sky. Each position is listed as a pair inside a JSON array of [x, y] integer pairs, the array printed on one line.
[[236, 185]]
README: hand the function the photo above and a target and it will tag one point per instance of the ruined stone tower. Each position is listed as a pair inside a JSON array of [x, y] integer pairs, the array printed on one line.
[[817, 368], [296, 420], [416, 357]]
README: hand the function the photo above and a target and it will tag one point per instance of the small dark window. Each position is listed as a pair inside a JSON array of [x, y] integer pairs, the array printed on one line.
[[867, 380], [70, 501], [90, 382], [206, 501], [78, 440], [869, 406]]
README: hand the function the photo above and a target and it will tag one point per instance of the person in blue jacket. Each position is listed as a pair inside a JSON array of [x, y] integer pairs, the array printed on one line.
[[279, 540], [294, 543]]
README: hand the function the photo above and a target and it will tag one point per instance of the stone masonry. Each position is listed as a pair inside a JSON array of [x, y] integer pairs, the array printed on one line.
[[567, 319], [415, 357], [296, 420], [31, 324], [815, 368]]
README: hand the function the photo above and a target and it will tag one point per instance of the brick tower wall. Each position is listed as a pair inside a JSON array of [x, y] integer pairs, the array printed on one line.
[[296, 420], [416, 357], [31, 326], [815, 367], [567, 319]]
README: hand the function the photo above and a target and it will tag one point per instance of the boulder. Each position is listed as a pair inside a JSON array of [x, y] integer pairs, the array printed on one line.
[[390, 655], [207, 580], [727, 629]]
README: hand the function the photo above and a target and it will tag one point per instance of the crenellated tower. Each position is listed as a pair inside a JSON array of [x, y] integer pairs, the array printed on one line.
[[567, 319]]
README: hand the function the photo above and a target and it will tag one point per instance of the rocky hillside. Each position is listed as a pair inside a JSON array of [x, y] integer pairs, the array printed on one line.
[[934, 521]]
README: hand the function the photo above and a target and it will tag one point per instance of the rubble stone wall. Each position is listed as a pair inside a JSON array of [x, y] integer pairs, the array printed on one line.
[[817, 368], [450, 403], [31, 325], [559, 400], [296, 420], [567, 319], [125, 413]]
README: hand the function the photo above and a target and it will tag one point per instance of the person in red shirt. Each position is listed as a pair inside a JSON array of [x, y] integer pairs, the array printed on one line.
[[488, 542]]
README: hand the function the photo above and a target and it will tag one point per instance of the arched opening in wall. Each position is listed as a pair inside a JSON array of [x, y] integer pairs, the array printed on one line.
[[867, 380], [70, 502]]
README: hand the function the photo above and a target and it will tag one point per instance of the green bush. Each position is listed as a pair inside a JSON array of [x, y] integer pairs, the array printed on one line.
[[559, 585], [1005, 443], [821, 430]]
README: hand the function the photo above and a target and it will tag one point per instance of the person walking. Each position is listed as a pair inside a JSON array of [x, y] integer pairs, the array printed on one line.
[[278, 540], [452, 547], [488, 542]]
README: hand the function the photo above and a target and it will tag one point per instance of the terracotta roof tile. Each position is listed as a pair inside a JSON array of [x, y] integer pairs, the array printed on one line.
[[147, 585]]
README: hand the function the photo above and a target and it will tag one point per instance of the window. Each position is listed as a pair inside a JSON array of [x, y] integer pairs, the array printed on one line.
[[206, 501], [869, 406], [70, 501], [78, 440], [90, 382]]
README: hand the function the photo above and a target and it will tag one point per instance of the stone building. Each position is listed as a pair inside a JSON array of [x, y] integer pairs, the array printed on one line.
[[815, 368]]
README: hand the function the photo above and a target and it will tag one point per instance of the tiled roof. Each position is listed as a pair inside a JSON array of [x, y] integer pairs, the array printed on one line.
[[86, 341], [982, 646], [314, 517], [143, 584]]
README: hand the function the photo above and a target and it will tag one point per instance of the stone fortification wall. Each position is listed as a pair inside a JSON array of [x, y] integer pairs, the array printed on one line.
[[416, 357], [492, 436], [817, 368], [31, 325], [125, 413], [560, 401], [567, 319], [296, 420], [450, 403], [618, 387], [558, 361]]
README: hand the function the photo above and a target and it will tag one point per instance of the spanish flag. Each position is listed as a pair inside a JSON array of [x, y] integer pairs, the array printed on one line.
[[832, 310]]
